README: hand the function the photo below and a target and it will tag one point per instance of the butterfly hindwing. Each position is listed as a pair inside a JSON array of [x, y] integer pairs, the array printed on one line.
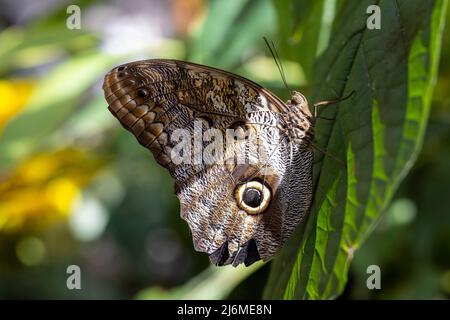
[[158, 99]]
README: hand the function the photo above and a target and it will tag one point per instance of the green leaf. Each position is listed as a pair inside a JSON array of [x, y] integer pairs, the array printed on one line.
[[213, 283], [377, 133], [229, 29], [304, 29]]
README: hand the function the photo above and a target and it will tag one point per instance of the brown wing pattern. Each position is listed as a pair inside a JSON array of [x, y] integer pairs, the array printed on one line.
[[155, 98]]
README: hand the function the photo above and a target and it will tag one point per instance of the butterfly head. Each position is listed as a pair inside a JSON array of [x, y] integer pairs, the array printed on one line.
[[299, 104], [299, 121]]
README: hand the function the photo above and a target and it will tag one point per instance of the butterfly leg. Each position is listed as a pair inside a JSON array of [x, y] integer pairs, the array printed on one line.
[[329, 102], [325, 118], [326, 153]]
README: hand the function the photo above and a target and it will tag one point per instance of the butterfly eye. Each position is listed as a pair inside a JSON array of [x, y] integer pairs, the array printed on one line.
[[298, 98], [253, 197], [121, 72], [142, 93]]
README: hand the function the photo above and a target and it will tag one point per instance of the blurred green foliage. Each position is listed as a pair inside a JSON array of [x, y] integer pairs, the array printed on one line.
[[123, 228]]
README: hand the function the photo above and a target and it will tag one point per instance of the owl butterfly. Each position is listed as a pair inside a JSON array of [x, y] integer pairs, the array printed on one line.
[[237, 211]]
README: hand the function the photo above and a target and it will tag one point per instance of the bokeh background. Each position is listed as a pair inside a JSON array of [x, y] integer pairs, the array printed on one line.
[[75, 188]]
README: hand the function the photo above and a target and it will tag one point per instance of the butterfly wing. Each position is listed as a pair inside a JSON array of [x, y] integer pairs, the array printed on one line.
[[170, 106]]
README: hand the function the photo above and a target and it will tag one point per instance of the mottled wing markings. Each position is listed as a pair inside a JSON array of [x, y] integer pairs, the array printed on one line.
[[153, 98]]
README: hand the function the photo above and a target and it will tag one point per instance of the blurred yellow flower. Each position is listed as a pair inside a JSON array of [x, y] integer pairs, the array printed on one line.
[[43, 188], [13, 97]]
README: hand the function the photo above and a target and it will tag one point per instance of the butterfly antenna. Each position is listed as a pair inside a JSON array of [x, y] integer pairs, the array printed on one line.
[[276, 58], [283, 75]]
